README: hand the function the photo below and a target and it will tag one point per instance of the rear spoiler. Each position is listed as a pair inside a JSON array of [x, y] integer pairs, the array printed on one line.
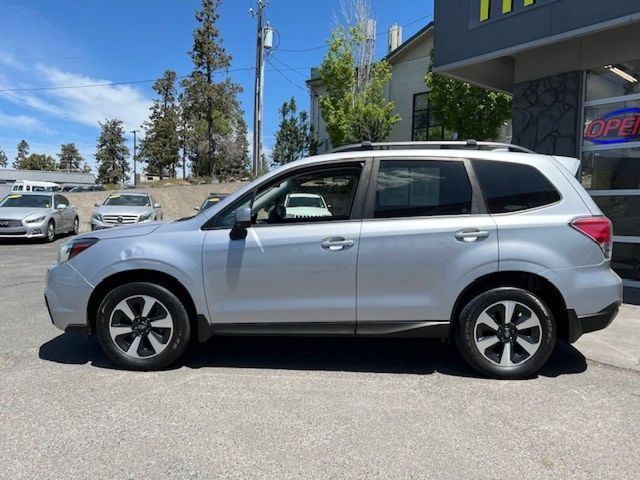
[[570, 163]]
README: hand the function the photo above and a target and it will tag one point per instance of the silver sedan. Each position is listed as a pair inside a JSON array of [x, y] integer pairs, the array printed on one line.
[[124, 208], [37, 215]]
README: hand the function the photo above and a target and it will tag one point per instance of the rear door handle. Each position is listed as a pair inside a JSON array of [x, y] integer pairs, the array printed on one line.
[[336, 243], [471, 235]]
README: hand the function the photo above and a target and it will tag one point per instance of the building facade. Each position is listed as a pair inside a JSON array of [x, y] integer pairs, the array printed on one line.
[[410, 61], [573, 67]]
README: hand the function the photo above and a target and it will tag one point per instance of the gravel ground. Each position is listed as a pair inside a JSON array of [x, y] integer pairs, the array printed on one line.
[[294, 408]]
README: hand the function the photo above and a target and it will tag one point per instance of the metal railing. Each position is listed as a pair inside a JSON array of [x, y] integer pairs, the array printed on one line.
[[444, 145]]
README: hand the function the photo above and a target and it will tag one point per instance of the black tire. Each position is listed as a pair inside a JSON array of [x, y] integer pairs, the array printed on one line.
[[76, 226], [144, 359], [50, 233], [469, 330]]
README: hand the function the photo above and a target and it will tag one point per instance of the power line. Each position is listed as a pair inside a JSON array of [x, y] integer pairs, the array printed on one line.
[[284, 76], [320, 47]]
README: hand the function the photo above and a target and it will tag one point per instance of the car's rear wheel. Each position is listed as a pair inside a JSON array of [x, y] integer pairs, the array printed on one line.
[[50, 233], [506, 333], [143, 326]]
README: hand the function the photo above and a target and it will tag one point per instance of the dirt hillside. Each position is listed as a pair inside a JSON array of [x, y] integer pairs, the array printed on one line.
[[176, 201]]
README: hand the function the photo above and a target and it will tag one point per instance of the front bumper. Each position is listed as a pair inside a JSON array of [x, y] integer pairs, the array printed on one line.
[[579, 325], [67, 297], [26, 230]]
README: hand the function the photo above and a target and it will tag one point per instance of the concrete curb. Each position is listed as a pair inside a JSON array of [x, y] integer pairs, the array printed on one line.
[[617, 345]]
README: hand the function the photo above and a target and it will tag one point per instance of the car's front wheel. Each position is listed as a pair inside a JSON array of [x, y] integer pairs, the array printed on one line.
[[76, 226], [50, 233], [506, 333], [143, 326]]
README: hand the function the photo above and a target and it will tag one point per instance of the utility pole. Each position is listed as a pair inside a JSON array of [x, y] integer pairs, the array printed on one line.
[[259, 85], [135, 151]]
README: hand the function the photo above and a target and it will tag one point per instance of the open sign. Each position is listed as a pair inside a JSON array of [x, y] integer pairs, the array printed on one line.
[[618, 126]]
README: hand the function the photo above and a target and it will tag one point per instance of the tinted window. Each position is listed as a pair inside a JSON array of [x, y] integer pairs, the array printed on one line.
[[511, 187], [123, 200], [422, 188], [26, 201]]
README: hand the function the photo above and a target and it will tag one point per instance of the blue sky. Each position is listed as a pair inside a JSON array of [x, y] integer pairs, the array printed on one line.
[[71, 43]]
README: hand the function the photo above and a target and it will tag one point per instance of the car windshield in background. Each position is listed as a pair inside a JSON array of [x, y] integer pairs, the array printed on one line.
[[127, 201], [26, 201], [295, 201]]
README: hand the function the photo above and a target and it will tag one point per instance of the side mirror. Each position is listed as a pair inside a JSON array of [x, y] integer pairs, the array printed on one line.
[[62, 206], [242, 222], [157, 205], [97, 205], [197, 209]]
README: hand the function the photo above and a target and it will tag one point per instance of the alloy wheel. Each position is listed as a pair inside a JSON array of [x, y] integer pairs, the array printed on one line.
[[51, 232], [508, 333], [76, 226], [141, 326]]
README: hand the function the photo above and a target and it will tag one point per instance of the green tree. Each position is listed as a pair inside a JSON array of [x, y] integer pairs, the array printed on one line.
[[160, 148], [23, 153], [112, 153], [232, 155], [471, 112], [4, 161], [69, 156], [294, 138], [207, 105], [354, 106], [37, 161]]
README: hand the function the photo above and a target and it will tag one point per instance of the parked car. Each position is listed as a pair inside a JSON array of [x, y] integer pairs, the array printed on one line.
[[491, 245], [125, 208], [211, 200], [37, 215], [305, 205], [34, 186]]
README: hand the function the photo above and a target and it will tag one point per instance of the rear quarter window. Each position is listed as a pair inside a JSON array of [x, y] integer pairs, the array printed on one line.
[[513, 187]]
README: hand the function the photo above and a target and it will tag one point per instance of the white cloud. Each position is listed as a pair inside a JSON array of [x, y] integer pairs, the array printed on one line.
[[22, 122], [95, 104]]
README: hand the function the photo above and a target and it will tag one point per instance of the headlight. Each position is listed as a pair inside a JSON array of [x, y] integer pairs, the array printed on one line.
[[97, 216], [36, 220], [74, 247], [144, 218]]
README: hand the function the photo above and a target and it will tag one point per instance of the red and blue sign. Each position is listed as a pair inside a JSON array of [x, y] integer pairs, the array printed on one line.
[[618, 126]]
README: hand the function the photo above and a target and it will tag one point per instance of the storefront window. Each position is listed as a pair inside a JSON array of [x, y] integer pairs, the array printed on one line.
[[611, 157], [613, 81], [623, 211], [617, 169]]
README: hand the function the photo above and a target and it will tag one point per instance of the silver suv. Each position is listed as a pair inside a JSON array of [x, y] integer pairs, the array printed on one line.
[[497, 248]]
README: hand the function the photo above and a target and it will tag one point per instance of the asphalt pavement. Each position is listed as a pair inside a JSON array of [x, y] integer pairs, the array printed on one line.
[[294, 408]]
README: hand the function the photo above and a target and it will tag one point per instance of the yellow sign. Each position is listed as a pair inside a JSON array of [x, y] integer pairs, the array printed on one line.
[[14, 196], [507, 7]]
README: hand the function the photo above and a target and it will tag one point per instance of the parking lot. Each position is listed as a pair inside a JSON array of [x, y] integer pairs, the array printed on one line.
[[294, 408]]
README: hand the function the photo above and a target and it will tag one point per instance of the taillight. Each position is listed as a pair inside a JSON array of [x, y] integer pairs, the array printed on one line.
[[598, 229]]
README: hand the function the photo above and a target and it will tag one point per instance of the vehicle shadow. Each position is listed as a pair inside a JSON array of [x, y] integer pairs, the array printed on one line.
[[404, 356]]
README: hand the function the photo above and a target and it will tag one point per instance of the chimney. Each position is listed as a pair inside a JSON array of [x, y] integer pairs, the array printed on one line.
[[395, 37]]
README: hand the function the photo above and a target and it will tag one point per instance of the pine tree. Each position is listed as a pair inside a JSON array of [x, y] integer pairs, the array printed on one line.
[[294, 139], [160, 148], [37, 161], [112, 153], [232, 158], [69, 156], [4, 161], [208, 105], [21, 157]]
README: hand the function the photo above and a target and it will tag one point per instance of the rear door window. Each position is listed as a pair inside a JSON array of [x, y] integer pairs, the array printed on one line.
[[422, 188], [513, 187]]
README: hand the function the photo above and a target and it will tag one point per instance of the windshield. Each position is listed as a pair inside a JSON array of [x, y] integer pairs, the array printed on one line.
[[210, 202], [26, 201], [118, 200], [305, 202]]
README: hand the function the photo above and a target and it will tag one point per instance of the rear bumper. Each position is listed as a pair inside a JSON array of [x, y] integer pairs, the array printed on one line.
[[579, 325]]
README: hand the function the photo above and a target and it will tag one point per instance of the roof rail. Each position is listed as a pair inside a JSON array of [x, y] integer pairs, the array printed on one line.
[[444, 145]]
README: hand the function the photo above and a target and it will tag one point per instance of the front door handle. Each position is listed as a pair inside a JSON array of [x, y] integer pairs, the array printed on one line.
[[336, 243], [471, 235]]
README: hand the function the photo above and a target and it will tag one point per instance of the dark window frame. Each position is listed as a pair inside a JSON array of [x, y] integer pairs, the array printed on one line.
[[427, 112]]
